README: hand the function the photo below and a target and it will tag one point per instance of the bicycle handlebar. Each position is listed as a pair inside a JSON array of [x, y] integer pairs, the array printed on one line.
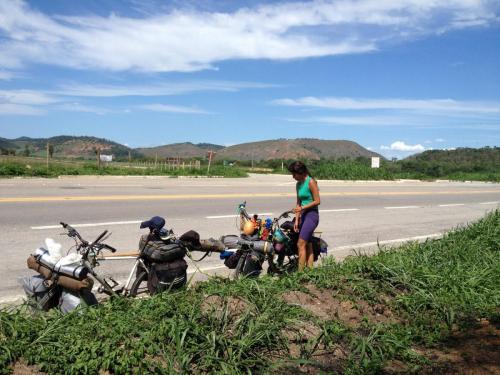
[[100, 237], [72, 232]]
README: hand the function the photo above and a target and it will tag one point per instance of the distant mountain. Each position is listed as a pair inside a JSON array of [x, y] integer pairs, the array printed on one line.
[[182, 150], [68, 146], [302, 148], [7, 144], [83, 147]]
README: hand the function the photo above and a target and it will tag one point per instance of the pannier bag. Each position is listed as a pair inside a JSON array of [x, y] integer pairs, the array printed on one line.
[[232, 261], [70, 300], [167, 276], [158, 251], [38, 292], [253, 264], [319, 246]]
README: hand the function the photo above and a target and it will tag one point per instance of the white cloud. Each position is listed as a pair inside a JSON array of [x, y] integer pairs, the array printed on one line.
[[26, 97], [20, 109], [78, 107], [172, 109], [6, 75], [428, 105], [156, 89], [190, 40], [402, 146], [355, 120], [24, 102]]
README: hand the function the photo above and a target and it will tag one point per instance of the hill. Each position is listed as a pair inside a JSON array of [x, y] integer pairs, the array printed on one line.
[[7, 144], [302, 148], [68, 146], [439, 162], [184, 150]]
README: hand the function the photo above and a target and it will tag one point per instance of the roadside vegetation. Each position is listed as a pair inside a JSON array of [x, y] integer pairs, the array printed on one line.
[[461, 165], [401, 311], [37, 167]]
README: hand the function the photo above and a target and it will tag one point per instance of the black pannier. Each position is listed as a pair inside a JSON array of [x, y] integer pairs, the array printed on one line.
[[159, 251], [253, 264], [167, 276], [232, 261]]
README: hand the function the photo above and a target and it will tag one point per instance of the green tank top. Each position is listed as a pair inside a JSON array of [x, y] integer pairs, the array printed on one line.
[[304, 192]]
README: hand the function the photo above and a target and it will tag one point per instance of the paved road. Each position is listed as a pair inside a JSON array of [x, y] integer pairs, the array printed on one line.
[[353, 214]]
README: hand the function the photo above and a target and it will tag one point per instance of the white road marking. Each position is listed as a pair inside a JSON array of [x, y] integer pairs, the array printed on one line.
[[400, 207], [397, 240], [340, 210], [226, 216], [90, 224], [489, 203], [452, 205], [206, 269], [12, 299]]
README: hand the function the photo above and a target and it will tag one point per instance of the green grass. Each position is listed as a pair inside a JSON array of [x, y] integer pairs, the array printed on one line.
[[34, 168], [433, 288]]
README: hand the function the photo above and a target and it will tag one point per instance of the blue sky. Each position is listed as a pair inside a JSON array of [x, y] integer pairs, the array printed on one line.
[[397, 77]]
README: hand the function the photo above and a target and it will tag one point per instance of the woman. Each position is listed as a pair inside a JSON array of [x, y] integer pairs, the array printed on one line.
[[306, 212]]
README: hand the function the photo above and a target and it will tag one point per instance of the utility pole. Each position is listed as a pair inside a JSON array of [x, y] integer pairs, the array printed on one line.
[[129, 157], [282, 167], [252, 160], [210, 155], [48, 146], [156, 159], [98, 153]]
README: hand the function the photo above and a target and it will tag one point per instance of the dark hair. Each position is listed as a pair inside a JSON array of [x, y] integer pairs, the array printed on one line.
[[299, 168]]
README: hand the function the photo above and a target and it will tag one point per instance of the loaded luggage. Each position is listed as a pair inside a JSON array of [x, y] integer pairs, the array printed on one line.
[[159, 251], [167, 269], [61, 281]]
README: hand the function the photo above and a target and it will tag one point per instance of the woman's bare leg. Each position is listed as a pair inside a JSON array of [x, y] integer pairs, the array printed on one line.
[[302, 247], [310, 255]]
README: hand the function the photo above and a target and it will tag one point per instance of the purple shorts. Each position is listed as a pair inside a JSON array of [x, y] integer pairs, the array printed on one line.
[[308, 223]]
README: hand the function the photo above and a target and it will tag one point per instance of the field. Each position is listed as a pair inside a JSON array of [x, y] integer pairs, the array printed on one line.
[[37, 167], [429, 308]]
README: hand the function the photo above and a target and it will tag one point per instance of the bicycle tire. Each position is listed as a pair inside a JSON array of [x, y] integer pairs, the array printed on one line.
[[142, 277]]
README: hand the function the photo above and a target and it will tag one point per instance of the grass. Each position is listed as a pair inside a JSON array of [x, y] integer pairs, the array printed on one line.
[[36, 168], [433, 289]]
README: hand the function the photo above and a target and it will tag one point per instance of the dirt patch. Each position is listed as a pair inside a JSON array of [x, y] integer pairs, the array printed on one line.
[[331, 361], [224, 306], [323, 304], [21, 367], [474, 352]]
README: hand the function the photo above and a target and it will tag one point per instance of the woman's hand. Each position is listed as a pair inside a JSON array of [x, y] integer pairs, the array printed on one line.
[[296, 226], [297, 209]]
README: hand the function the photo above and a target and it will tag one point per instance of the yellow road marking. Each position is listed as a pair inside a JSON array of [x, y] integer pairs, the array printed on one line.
[[227, 196]]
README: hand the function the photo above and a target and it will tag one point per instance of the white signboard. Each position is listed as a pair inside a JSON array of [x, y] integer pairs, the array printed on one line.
[[375, 162], [107, 158]]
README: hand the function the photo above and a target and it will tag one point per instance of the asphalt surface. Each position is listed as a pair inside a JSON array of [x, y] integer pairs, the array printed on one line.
[[352, 214]]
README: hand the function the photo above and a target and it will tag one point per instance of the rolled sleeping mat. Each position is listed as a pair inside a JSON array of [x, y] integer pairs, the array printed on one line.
[[64, 281], [230, 241], [263, 246], [74, 271], [260, 246], [212, 245]]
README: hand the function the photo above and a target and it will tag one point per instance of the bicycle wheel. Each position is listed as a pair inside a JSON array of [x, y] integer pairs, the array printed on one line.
[[140, 284]]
